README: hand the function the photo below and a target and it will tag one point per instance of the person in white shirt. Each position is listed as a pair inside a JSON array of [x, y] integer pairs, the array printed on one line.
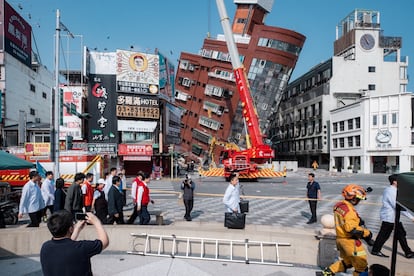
[[231, 197], [134, 195], [48, 194], [31, 201], [387, 215], [108, 180], [143, 199]]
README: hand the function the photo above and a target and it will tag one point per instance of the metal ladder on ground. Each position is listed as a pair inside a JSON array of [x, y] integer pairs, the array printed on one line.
[[241, 251]]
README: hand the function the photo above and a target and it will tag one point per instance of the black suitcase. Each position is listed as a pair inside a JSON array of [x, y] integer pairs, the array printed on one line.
[[244, 206], [234, 220]]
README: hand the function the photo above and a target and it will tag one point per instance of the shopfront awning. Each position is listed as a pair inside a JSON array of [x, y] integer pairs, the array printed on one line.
[[137, 126]]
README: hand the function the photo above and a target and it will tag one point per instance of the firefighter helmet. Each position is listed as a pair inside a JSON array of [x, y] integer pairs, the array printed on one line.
[[352, 191]]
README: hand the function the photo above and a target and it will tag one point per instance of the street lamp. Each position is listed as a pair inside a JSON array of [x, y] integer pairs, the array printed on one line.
[[56, 105]]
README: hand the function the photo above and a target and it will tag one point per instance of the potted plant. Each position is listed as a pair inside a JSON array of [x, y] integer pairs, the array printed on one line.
[[350, 168], [334, 169]]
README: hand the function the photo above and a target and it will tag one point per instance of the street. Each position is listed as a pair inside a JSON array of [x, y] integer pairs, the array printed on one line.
[[277, 201]]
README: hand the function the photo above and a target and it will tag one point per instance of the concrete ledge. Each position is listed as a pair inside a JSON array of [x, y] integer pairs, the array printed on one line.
[[28, 241], [23, 241]]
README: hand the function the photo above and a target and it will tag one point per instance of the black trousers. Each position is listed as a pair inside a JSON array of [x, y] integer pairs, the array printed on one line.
[[118, 220], [312, 206], [144, 216], [134, 215], [188, 203], [35, 218], [384, 234]]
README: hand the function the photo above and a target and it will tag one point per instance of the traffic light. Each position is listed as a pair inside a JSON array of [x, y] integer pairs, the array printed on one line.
[[69, 142]]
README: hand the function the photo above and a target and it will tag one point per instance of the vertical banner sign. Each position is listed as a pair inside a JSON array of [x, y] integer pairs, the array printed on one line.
[[166, 77], [173, 124], [72, 124], [137, 73], [2, 27], [17, 35], [101, 106]]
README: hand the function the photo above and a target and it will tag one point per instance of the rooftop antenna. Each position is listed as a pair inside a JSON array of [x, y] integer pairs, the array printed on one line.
[[208, 18]]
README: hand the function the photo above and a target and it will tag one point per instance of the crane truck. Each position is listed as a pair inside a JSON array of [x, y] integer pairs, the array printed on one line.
[[244, 162]]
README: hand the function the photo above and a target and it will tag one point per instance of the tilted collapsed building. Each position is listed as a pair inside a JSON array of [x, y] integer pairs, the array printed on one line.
[[205, 85]]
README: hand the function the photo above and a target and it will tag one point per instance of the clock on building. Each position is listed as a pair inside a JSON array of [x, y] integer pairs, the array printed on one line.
[[383, 136], [367, 41]]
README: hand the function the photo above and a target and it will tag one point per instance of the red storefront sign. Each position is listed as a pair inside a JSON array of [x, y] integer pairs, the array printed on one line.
[[134, 149]]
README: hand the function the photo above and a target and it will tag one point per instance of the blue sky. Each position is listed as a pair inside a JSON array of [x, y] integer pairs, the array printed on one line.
[[181, 26]]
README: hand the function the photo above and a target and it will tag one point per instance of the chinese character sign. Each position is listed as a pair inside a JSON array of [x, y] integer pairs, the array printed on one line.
[[101, 106], [137, 72], [137, 106], [17, 35]]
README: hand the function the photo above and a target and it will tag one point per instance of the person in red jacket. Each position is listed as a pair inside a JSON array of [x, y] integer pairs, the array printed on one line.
[[87, 192], [134, 195], [143, 199]]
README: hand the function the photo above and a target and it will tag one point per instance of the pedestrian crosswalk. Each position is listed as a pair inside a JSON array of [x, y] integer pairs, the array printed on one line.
[[162, 190], [264, 210]]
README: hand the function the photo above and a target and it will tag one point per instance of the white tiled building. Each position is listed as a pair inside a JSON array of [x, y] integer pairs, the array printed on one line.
[[373, 134], [364, 113]]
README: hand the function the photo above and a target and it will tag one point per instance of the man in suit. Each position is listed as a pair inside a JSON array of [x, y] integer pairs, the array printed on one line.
[[115, 202]]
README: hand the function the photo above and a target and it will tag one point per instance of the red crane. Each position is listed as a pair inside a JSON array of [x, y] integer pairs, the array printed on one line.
[[244, 161]]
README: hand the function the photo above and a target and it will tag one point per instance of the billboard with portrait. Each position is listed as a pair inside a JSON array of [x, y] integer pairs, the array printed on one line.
[[137, 73]]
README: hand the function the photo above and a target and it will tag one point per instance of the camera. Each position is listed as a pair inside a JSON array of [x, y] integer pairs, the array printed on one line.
[[80, 216]]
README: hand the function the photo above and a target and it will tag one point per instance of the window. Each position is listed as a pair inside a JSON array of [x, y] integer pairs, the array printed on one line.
[[403, 73], [341, 126], [186, 82], [350, 124], [358, 141], [335, 127], [32, 88], [371, 69], [350, 142], [32, 112], [384, 119], [371, 87], [357, 123], [241, 20], [41, 137], [335, 143], [342, 142], [374, 120], [132, 137], [44, 95], [394, 118]]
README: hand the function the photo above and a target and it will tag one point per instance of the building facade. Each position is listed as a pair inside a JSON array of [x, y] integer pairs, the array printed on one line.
[[343, 112], [25, 85], [205, 85], [131, 118]]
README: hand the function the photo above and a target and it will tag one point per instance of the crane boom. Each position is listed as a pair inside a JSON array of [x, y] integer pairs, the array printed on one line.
[[248, 109]]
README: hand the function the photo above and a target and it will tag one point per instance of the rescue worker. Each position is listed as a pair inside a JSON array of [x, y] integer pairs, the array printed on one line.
[[350, 230]]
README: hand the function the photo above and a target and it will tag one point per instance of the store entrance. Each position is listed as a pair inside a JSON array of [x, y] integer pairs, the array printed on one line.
[[379, 164]]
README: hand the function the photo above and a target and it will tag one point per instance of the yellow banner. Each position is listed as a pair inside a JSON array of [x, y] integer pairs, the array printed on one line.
[[37, 148]]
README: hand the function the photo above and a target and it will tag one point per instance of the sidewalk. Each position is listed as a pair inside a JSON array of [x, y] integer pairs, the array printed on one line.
[[20, 251]]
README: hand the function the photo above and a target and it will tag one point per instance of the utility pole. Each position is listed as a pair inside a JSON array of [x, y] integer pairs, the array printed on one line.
[[56, 121]]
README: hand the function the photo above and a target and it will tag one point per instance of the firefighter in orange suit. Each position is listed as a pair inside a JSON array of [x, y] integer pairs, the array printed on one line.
[[350, 231]]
